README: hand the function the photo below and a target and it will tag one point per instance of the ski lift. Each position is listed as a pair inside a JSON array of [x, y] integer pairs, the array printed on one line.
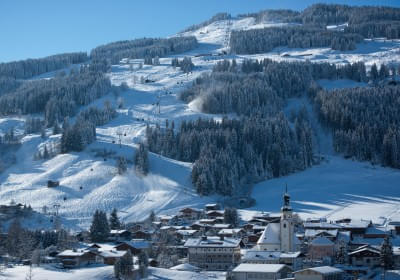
[[65, 198], [80, 187]]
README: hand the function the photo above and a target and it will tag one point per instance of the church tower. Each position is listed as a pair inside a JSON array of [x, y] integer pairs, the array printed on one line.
[[287, 225]]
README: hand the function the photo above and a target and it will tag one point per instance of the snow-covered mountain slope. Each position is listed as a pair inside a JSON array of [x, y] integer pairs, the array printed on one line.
[[336, 188]]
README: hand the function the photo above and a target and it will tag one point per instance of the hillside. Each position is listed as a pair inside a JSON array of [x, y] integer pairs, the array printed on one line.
[[349, 188]]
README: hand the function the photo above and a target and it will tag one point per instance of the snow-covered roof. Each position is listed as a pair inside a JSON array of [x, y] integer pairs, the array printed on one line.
[[212, 241], [112, 254], [271, 234], [322, 225], [138, 243], [261, 255], [370, 249], [186, 232], [72, 253], [185, 267], [229, 231], [375, 230], [117, 231], [222, 226], [323, 270], [264, 268], [322, 241], [315, 232]]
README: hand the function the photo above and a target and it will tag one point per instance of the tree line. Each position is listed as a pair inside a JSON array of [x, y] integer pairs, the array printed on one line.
[[57, 98], [264, 40], [28, 68], [230, 154], [261, 87], [365, 121], [143, 48]]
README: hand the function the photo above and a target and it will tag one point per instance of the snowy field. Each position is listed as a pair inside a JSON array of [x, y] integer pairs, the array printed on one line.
[[100, 273], [336, 188]]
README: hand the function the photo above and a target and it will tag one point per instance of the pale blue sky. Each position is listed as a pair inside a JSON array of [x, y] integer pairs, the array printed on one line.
[[37, 28]]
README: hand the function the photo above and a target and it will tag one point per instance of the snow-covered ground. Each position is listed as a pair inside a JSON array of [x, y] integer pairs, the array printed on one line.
[[100, 273], [336, 188]]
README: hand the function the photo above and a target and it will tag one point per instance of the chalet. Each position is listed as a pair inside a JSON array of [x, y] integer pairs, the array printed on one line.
[[111, 256], [208, 221], [135, 246], [218, 227], [142, 234], [213, 253], [321, 226], [365, 256], [77, 258], [185, 234], [356, 227], [320, 248], [293, 260], [232, 232], [319, 273], [247, 271], [212, 206], [118, 235], [189, 214], [313, 233], [166, 219], [375, 232], [213, 214]]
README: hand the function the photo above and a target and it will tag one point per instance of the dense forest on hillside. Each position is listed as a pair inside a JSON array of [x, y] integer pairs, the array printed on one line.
[[362, 22], [264, 40], [143, 48], [28, 68], [365, 121], [58, 97], [230, 154], [261, 87]]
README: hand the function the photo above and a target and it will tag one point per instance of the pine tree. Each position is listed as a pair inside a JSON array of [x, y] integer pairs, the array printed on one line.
[[141, 160], [121, 165], [126, 265], [143, 263], [387, 260], [99, 229], [114, 220]]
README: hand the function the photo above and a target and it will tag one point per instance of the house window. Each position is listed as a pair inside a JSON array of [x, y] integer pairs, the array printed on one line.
[[284, 225]]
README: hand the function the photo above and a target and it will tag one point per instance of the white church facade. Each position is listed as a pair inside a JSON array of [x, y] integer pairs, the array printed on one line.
[[280, 236]]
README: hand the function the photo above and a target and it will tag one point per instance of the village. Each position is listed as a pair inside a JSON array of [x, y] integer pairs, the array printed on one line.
[[269, 246]]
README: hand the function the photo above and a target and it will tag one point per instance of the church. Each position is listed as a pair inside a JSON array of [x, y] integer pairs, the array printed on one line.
[[280, 236]]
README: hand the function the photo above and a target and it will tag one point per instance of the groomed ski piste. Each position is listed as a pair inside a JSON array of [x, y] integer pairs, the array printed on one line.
[[336, 188]]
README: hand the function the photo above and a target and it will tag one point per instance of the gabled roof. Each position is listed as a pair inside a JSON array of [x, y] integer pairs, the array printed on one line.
[[73, 253], [365, 249], [316, 232], [185, 267], [271, 234], [112, 254], [136, 243], [325, 270], [212, 241], [263, 268]]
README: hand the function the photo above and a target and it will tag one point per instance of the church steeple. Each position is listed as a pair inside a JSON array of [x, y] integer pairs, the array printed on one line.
[[287, 225], [286, 201]]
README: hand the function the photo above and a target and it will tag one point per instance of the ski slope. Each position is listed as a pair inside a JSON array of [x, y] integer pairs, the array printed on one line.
[[335, 188]]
